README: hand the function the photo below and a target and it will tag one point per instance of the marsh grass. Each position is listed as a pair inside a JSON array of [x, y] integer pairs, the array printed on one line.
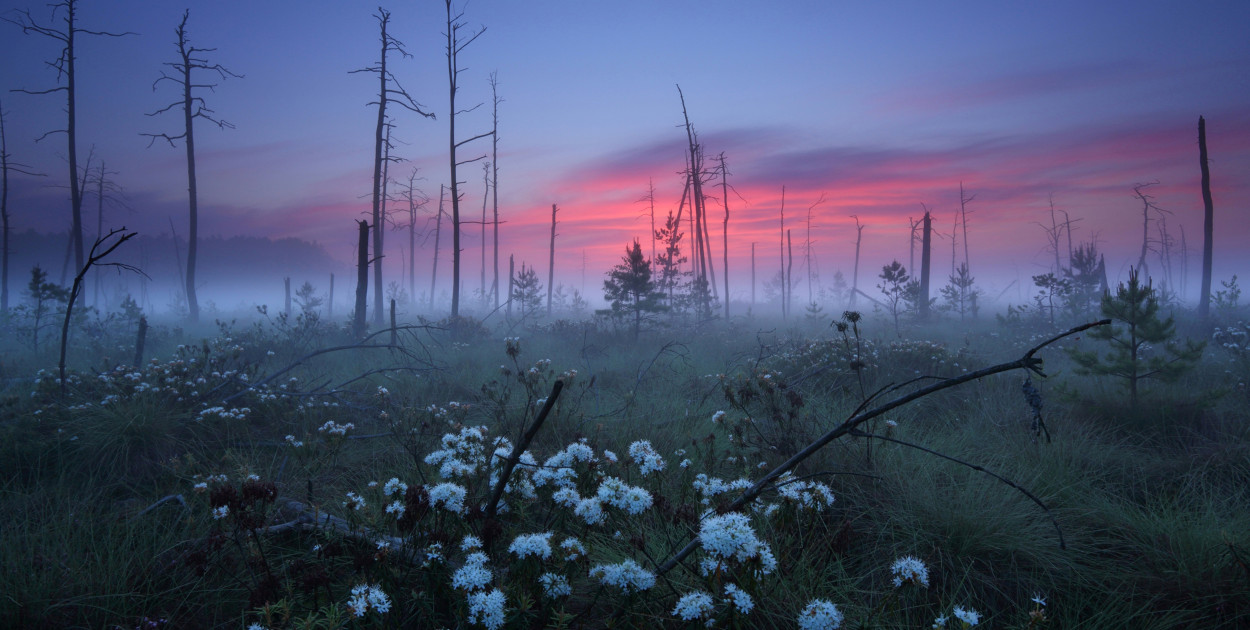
[[1153, 508]]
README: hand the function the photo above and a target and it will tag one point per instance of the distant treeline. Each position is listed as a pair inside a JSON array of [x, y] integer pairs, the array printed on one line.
[[231, 270]]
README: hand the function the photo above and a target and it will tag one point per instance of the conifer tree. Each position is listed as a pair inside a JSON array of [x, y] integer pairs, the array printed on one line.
[[629, 287], [1141, 345]]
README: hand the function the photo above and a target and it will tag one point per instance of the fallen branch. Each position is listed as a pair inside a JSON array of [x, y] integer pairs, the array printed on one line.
[[1027, 362], [493, 506]]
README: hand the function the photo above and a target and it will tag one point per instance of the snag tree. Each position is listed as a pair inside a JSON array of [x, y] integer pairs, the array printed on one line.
[[189, 60]]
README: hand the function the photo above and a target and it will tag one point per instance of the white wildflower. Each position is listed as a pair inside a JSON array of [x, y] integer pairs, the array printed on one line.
[[910, 569], [449, 495], [820, 615], [967, 615], [693, 605], [626, 575], [221, 512], [739, 599], [555, 585], [526, 545], [487, 608]]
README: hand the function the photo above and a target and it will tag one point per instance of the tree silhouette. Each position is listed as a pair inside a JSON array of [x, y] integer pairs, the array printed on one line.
[[629, 287], [64, 66], [6, 165], [193, 107], [894, 286], [389, 91], [455, 45], [1208, 222]]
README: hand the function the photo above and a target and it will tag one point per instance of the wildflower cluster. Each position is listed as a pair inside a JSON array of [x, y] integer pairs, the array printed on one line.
[[368, 597]]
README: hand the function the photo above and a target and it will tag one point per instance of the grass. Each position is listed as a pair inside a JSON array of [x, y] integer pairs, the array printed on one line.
[[1153, 506]]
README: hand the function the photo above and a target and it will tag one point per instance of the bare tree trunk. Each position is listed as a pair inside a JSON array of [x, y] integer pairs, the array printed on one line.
[[494, 186], [911, 260], [752, 274], [551, 265], [192, 107], [1208, 225], [454, 47], [1054, 234], [286, 304], [785, 284], [963, 220], [511, 282], [362, 280], [925, 246], [64, 66], [330, 300], [485, 199], [438, 229], [859, 237], [789, 269], [724, 188], [99, 231], [379, 226]]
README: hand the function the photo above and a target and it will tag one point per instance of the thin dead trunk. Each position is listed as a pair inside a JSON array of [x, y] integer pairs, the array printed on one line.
[[724, 187], [1208, 225], [362, 280], [859, 237], [925, 250], [438, 229], [785, 293], [789, 269], [551, 263], [494, 186]]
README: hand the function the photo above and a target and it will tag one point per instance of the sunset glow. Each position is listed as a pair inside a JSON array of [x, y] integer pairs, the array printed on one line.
[[879, 108]]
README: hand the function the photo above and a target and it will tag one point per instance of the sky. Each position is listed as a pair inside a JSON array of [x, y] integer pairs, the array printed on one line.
[[881, 109]]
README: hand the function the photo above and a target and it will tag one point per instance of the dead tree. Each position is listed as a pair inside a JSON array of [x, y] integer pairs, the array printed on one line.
[[438, 229], [811, 296], [455, 45], [66, 12], [752, 273], [914, 224], [859, 237], [7, 165], [650, 199], [105, 190], [789, 279], [785, 284], [362, 280], [1148, 204], [99, 251], [551, 265], [925, 251], [415, 199], [724, 190], [1208, 221], [485, 199], [189, 60], [389, 91], [511, 283], [704, 276], [964, 200], [494, 184]]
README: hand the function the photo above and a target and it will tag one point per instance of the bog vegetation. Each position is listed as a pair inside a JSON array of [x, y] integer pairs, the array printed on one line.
[[649, 465]]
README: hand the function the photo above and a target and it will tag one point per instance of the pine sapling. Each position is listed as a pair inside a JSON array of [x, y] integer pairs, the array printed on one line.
[[1136, 336]]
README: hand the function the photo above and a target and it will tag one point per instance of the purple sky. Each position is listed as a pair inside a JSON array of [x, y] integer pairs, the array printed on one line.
[[880, 106]]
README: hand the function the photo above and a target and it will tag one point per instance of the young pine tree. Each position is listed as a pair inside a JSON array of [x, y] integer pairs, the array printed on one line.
[[629, 287], [894, 281], [1141, 345]]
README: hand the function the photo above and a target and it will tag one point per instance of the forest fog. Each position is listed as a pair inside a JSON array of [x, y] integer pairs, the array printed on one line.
[[510, 315]]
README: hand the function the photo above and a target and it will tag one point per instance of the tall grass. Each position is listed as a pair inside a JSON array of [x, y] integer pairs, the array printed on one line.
[[1154, 510]]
